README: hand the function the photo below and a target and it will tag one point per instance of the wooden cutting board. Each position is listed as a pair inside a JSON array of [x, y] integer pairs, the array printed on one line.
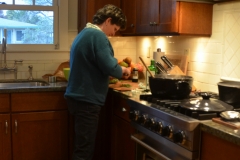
[[231, 124], [134, 85]]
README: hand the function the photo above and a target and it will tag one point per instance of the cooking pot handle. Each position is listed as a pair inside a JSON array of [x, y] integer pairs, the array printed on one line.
[[180, 84]]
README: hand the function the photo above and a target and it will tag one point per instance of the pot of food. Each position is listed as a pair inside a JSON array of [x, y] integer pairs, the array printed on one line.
[[170, 86], [229, 92], [206, 104]]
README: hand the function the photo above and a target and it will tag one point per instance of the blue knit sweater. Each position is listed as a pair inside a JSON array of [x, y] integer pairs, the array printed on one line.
[[91, 63]]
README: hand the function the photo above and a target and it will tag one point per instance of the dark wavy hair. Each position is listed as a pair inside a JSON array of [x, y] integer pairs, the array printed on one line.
[[113, 12]]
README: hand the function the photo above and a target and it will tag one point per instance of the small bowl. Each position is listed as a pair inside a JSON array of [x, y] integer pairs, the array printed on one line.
[[66, 72], [230, 115]]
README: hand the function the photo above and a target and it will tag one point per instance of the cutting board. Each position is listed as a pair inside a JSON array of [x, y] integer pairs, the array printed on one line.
[[231, 124], [117, 87]]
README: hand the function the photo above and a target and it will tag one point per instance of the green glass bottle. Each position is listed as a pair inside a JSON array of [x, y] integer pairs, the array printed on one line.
[[152, 69]]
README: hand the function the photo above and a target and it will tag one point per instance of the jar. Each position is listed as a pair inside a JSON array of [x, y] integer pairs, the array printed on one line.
[[135, 75]]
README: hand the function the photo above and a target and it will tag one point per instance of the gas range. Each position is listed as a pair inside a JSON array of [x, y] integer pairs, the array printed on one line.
[[168, 128]]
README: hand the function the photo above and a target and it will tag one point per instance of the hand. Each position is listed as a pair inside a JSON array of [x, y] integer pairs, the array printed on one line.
[[126, 72]]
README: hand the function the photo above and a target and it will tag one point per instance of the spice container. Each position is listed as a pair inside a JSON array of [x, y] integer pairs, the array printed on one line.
[[135, 75]]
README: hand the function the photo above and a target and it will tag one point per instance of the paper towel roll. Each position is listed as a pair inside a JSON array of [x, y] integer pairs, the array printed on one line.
[[157, 56]]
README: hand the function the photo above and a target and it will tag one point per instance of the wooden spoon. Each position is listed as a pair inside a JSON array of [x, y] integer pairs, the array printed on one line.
[[146, 67]]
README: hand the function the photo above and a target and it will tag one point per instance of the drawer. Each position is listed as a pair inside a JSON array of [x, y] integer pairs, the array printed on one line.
[[121, 108], [4, 103], [38, 101]]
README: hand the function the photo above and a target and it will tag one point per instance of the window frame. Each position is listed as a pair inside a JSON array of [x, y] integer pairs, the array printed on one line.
[[60, 16]]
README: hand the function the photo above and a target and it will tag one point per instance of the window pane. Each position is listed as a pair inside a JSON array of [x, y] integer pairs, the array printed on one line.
[[36, 26], [24, 2], [44, 2]]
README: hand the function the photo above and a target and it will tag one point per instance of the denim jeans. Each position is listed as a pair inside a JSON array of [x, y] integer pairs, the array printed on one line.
[[86, 117]]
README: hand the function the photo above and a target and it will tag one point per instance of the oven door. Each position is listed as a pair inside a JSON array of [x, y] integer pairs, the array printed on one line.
[[146, 152], [158, 148]]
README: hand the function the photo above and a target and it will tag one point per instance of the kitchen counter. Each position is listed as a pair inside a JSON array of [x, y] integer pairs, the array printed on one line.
[[58, 86], [221, 131]]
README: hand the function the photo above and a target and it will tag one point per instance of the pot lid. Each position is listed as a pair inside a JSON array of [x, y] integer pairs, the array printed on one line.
[[206, 104]]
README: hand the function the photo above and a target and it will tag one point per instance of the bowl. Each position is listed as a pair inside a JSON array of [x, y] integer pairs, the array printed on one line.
[[66, 72]]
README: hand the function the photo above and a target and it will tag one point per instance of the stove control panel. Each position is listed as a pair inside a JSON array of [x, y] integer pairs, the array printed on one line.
[[158, 126]]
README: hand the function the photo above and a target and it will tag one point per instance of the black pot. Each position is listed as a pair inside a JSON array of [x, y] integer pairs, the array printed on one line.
[[170, 86], [229, 92]]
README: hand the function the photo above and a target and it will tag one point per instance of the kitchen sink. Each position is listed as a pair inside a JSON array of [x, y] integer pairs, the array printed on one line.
[[23, 84]]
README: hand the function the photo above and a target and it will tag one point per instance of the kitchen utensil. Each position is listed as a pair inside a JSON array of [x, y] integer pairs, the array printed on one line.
[[161, 68], [146, 67], [231, 124], [170, 86], [173, 69], [206, 104], [229, 92]]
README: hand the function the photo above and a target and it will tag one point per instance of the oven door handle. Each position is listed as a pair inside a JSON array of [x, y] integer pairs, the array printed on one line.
[[148, 147]]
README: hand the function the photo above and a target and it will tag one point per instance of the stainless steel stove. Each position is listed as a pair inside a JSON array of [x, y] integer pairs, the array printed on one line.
[[165, 129]]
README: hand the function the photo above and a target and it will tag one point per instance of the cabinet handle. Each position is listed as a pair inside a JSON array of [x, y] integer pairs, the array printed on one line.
[[154, 23], [16, 125], [6, 126], [151, 23], [124, 109]]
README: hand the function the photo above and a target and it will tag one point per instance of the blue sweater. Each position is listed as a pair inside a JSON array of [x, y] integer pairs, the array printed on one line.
[[91, 63]]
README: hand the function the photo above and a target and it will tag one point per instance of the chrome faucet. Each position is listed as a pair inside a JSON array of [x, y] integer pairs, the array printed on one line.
[[5, 68], [4, 49], [30, 72]]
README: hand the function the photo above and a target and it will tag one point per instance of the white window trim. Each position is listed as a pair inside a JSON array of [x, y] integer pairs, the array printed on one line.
[[62, 30]]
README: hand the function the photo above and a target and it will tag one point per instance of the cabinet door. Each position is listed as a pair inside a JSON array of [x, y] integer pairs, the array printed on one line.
[[123, 146], [40, 135], [87, 9], [5, 137], [168, 19], [5, 103], [147, 16], [129, 9]]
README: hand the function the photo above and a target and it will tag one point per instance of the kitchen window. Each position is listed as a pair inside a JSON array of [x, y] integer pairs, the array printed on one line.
[[33, 25]]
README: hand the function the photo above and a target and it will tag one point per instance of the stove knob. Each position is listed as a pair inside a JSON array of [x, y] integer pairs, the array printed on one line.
[[149, 123], [179, 137], [142, 119], [157, 127], [133, 115], [167, 131]]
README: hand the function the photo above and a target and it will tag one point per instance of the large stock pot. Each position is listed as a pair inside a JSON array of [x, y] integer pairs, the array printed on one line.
[[170, 86]]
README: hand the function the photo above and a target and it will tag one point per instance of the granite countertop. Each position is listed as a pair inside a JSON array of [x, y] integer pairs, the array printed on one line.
[[221, 131], [51, 87], [216, 129]]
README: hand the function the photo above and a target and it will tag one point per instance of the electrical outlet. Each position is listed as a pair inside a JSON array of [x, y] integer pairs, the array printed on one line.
[[186, 51]]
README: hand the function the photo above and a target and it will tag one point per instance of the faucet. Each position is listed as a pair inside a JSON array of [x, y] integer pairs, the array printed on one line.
[[4, 48], [30, 72], [5, 68]]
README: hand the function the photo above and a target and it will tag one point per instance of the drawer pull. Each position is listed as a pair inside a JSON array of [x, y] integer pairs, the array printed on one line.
[[124, 109], [6, 126], [16, 125]]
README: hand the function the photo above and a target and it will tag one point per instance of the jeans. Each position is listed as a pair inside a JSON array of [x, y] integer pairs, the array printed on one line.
[[86, 117]]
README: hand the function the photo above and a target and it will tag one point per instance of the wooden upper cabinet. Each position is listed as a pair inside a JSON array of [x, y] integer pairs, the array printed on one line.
[[129, 9], [169, 17], [87, 9], [5, 103], [147, 16]]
